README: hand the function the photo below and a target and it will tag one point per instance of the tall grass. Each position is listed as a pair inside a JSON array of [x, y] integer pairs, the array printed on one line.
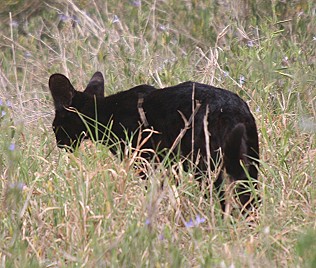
[[90, 208]]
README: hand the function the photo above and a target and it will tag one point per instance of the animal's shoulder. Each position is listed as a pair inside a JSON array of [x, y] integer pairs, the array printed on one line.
[[129, 98], [142, 90]]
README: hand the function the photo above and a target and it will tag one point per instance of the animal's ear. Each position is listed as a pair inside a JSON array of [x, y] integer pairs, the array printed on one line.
[[96, 85], [62, 91]]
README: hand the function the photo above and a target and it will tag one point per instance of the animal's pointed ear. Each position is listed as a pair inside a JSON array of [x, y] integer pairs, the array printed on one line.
[[96, 85], [62, 91]]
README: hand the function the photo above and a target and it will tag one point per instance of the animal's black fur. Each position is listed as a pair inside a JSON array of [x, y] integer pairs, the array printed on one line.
[[230, 124]]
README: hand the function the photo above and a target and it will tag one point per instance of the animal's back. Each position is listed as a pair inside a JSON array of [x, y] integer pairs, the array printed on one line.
[[164, 109]]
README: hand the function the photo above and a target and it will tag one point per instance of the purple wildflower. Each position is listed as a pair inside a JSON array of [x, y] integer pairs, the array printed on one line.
[[198, 220], [27, 54], [63, 17], [163, 28], [161, 237], [242, 80], [9, 104], [17, 186], [12, 147], [189, 224], [14, 24], [75, 19], [226, 73], [250, 43], [115, 19], [136, 3]]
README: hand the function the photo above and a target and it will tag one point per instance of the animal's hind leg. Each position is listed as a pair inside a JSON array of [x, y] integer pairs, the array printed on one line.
[[240, 168]]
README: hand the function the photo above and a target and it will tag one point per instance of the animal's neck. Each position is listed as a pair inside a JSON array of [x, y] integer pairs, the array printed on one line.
[[101, 109], [98, 109]]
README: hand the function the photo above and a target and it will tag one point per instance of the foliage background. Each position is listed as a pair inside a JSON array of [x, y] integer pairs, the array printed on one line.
[[90, 209]]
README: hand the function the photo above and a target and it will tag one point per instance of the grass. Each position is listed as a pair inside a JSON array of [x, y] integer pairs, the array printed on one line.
[[91, 209]]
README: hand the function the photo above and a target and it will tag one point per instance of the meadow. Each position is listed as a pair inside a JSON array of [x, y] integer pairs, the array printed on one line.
[[90, 209]]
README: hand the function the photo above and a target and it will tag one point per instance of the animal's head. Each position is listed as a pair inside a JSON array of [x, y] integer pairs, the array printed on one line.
[[71, 106]]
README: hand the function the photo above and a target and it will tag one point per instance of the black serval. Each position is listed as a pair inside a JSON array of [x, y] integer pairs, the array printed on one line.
[[197, 121]]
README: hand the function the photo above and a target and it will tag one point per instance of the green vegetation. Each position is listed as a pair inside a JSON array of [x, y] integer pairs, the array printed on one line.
[[91, 209]]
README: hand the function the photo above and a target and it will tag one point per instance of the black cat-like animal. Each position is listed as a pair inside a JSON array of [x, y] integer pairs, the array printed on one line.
[[196, 120]]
